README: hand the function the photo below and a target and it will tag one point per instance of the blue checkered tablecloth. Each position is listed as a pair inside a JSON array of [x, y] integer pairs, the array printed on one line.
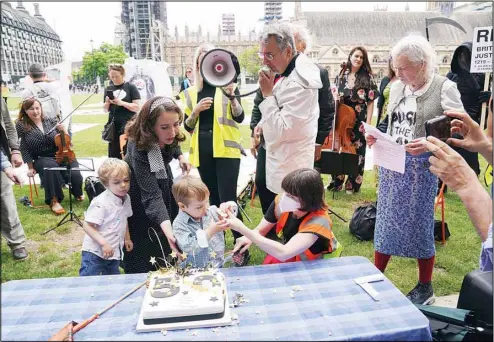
[[330, 306]]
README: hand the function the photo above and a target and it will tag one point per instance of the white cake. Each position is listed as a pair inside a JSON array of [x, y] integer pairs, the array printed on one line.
[[199, 295]]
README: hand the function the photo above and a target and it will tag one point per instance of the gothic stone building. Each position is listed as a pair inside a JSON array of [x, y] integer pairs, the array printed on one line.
[[336, 33], [180, 50]]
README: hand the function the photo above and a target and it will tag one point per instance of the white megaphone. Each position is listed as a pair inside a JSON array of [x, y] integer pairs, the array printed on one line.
[[219, 68]]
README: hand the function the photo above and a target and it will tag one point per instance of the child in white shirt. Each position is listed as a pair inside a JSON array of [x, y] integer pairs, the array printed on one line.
[[105, 222]]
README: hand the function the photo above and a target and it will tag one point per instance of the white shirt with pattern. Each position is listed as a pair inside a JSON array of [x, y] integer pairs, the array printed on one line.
[[109, 214]]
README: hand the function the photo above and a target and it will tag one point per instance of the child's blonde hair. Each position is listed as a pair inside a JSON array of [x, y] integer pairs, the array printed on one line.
[[188, 188], [112, 167]]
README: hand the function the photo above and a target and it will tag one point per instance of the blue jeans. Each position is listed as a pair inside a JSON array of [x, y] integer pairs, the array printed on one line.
[[92, 265]]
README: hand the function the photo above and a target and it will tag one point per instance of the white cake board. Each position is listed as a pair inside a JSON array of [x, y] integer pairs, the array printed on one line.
[[210, 323]]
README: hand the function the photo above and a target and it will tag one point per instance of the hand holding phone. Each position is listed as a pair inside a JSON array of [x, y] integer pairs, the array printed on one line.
[[109, 94], [439, 127]]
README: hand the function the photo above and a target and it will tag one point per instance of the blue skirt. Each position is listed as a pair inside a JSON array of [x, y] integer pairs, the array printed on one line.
[[405, 210]]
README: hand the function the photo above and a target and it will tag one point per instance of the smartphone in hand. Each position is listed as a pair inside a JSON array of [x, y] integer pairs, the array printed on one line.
[[439, 127], [109, 93]]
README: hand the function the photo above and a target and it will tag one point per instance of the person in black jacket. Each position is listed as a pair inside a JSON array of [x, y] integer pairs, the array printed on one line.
[[470, 87], [326, 115], [383, 99]]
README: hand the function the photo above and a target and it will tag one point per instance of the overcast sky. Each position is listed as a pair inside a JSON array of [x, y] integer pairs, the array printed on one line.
[[79, 22]]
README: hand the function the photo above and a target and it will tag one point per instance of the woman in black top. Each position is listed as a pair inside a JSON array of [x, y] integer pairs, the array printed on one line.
[[153, 141], [122, 108], [38, 150], [356, 88], [211, 118]]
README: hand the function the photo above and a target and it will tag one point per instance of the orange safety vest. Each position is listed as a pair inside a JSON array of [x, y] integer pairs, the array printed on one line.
[[317, 222]]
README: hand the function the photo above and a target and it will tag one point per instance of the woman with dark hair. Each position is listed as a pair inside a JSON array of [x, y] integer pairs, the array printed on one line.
[[301, 218], [153, 141], [384, 88], [38, 151], [122, 108], [356, 88]]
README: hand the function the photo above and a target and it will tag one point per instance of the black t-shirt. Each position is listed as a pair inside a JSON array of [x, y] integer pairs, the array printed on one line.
[[291, 228], [207, 116], [127, 92]]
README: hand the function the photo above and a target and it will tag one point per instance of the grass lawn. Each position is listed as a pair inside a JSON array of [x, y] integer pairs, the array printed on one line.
[[57, 254]]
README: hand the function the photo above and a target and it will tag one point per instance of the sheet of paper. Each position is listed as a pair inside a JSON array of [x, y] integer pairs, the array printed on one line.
[[386, 152]]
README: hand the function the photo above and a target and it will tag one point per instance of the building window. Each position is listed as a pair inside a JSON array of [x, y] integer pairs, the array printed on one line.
[[445, 59], [381, 74], [375, 59], [335, 51]]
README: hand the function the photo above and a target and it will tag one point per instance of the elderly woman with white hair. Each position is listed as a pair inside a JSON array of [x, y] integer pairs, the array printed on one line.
[[212, 118], [405, 207]]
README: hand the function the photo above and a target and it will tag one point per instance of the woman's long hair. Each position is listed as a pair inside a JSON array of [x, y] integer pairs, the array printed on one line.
[[141, 127], [198, 80], [363, 75], [24, 117]]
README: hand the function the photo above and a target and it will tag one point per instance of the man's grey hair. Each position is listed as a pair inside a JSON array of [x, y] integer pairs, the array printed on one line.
[[417, 49], [283, 34], [302, 34]]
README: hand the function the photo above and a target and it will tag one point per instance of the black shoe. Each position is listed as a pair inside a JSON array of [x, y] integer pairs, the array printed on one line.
[[422, 294], [243, 259], [19, 253]]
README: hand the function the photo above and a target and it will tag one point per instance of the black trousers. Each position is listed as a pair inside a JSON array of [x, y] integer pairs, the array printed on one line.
[[54, 180], [266, 196], [219, 174], [114, 145]]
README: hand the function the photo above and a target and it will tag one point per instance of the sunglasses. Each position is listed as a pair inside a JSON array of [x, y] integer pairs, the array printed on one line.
[[115, 65]]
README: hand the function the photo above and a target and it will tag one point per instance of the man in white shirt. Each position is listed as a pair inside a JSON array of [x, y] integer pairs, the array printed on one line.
[[290, 108]]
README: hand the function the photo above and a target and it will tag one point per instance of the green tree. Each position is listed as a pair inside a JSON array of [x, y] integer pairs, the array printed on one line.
[[250, 61], [95, 63]]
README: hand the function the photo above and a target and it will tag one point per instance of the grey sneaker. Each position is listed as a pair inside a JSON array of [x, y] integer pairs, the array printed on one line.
[[19, 253], [422, 294]]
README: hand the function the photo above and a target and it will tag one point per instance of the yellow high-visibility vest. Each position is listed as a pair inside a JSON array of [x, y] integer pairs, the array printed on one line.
[[226, 133], [488, 175]]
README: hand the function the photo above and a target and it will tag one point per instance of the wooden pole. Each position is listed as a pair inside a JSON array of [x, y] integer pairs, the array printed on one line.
[[484, 105]]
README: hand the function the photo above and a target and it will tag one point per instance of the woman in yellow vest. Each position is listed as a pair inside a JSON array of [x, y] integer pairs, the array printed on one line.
[[212, 118], [300, 217]]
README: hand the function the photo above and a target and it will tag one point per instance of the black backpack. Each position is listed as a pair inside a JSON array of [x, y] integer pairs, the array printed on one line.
[[93, 187], [363, 222]]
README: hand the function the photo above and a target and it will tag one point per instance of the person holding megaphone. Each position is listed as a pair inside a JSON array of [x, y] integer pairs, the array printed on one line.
[[212, 115]]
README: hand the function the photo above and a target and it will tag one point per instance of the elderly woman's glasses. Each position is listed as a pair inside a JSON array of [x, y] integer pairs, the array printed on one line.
[[269, 56]]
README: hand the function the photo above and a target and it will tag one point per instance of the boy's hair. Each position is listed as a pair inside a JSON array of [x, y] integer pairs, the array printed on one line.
[[306, 185], [188, 188], [112, 167]]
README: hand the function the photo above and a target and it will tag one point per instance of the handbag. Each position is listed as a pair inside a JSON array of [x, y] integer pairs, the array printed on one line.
[[363, 222], [108, 133], [93, 187]]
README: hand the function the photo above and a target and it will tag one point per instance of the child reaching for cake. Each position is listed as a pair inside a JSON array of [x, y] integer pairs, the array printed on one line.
[[199, 227], [105, 222]]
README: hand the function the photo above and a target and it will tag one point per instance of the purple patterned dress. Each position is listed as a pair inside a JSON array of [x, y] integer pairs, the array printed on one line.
[[405, 210]]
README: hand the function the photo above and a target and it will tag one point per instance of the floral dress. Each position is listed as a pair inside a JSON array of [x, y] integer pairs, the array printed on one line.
[[358, 99]]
